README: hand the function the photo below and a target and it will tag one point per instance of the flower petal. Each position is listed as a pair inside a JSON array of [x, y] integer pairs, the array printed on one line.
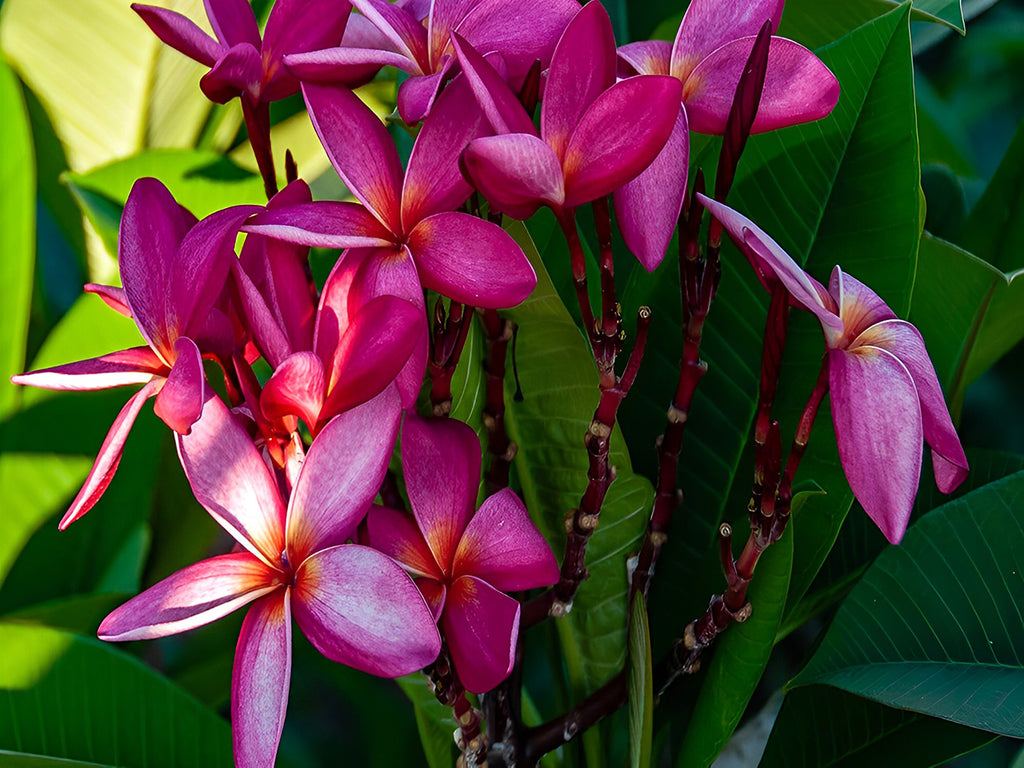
[[322, 224], [296, 388], [417, 94], [582, 68], [709, 24], [402, 28], [444, 16], [615, 141], [233, 21], [771, 262], [109, 457], [180, 33], [471, 260], [481, 627], [369, 167], [341, 475], [350, 66], [238, 71], [296, 26], [798, 87], [191, 597], [260, 679], [877, 418], [502, 546], [904, 341], [500, 104], [180, 402], [396, 534], [230, 479], [648, 57], [517, 173], [859, 306], [359, 608], [262, 326], [648, 207], [116, 369], [112, 296]]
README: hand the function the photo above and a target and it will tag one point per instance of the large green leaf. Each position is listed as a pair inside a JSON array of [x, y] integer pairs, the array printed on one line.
[[70, 697], [641, 688], [970, 313], [434, 720], [22, 760], [812, 188], [738, 661], [559, 394], [17, 238], [934, 625], [822, 726]]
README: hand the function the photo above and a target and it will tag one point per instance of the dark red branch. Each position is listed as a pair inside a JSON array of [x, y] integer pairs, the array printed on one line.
[[498, 331], [257, 125], [447, 338]]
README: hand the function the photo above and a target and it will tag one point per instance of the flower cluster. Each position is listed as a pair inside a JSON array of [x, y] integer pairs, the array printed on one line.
[[290, 463]]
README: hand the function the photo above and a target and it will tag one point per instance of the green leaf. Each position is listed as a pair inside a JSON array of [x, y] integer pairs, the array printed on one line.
[[200, 180], [739, 658], [434, 720], [859, 164], [22, 760], [934, 625], [969, 312], [76, 698], [17, 236], [947, 12], [823, 726], [641, 688]]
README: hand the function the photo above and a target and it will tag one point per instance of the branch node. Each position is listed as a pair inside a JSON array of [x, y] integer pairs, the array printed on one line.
[[589, 522], [743, 613], [560, 608], [599, 430], [676, 416]]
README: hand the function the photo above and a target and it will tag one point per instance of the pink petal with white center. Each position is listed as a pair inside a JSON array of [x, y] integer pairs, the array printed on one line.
[[259, 680], [112, 296], [180, 33], [502, 546], [296, 388], [152, 228], [180, 402], [369, 167], [322, 224], [615, 140], [648, 207], [417, 94], [709, 24], [441, 461], [201, 268], [771, 262], [137, 365], [239, 70], [434, 180], [471, 260], [499, 103], [344, 65], [359, 608], [877, 418], [517, 173], [481, 627], [859, 306], [396, 534], [648, 57], [230, 479], [192, 597], [521, 31], [582, 68], [233, 21], [798, 88], [904, 341], [109, 457], [370, 353], [341, 476], [399, 26]]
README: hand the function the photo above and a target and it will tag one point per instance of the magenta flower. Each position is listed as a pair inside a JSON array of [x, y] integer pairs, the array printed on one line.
[[409, 223], [240, 61], [885, 396], [710, 50], [464, 563], [521, 31], [595, 134], [356, 606], [173, 270]]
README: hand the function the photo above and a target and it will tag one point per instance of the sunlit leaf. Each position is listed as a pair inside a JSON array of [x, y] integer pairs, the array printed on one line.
[[641, 688]]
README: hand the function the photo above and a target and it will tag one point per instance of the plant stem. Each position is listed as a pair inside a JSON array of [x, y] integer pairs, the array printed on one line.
[[448, 334], [498, 331], [257, 124]]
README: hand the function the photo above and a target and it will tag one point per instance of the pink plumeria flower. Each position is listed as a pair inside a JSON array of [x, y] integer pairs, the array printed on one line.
[[885, 395], [521, 31], [464, 562], [708, 56], [595, 134], [240, 60], [173, 270], [355, 605], [408, 222]]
